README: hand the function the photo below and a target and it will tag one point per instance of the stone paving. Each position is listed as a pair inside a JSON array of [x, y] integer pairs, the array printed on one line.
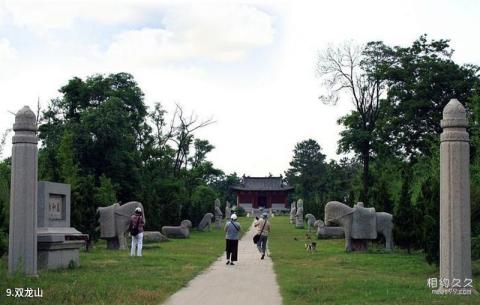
[[251, 281]]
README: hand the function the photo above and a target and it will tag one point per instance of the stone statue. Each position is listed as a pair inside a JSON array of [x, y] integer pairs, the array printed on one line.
[[206, 222], [182, 231], [153, 237], [293, 212], [114, 221], [359, 223], [299, 215], [218, 214], [324, 232], [228, 210], [310, 221]]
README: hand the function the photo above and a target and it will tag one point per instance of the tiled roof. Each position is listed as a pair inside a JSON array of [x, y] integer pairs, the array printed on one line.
[[262, 184]]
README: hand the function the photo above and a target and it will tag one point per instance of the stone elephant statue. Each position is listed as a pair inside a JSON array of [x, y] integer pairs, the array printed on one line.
[[359, 223], [114, 222]]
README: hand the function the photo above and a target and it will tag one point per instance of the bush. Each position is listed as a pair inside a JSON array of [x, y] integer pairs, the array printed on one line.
[[239, 211]]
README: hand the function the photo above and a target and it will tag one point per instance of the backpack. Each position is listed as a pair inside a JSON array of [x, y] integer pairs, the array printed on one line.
[[134, 226]]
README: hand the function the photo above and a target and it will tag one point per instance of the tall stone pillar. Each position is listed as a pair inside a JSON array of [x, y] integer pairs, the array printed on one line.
[[455, 256], [22, 247]]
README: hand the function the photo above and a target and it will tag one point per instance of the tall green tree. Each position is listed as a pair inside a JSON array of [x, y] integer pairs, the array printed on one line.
[[421, 78], [307, 173]]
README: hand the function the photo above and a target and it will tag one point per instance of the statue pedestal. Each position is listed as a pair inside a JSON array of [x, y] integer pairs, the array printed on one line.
[[59, 247], [57, 255], [359, 245]]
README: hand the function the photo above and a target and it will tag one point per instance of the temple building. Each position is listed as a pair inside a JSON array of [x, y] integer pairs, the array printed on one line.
[[266, 192]]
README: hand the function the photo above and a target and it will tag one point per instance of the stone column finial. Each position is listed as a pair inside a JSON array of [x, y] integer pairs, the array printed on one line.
[[455, 258], [22, 247]]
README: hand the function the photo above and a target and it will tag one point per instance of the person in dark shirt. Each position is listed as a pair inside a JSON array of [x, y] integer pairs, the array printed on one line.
[[136, 230]]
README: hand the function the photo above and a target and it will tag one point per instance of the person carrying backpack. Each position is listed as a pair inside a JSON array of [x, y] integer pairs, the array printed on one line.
[[136, 231]]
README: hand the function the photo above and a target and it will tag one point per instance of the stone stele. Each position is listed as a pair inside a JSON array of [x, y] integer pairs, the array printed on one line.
[[58, 244], [22, 244], [455, 243]]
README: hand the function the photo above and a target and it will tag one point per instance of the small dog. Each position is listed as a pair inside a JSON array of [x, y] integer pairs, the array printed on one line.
[[309, 245]]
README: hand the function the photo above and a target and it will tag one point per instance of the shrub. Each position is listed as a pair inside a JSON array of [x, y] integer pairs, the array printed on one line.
[[239, 211]]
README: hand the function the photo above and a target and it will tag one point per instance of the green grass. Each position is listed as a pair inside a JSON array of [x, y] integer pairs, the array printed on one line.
[[332, 276], [113, 277]]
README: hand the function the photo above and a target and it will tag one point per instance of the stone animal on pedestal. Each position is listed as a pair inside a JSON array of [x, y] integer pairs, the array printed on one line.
[[206, 222], [310, 221], [114, 221], [324, 232], [182, 231], [359, 223]]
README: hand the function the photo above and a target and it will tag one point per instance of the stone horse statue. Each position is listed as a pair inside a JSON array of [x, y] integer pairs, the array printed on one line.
[[310, 221], [206, 222], [359, 223], [114, 221]]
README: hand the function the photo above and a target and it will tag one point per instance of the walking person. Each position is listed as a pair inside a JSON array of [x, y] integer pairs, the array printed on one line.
[[232, 230], [263, 228], [136, 231]]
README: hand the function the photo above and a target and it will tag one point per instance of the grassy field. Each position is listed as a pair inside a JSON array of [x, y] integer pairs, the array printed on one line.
[[331, 276], [113, 277]]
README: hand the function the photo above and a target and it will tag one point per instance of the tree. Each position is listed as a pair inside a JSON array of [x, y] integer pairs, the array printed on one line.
[[421, 78], [203, 198], [348, 69], [405, 226], [184, 136], [307, 173], [4, 204]]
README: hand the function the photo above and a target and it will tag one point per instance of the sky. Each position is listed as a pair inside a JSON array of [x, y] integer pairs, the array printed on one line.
[[249, 65]]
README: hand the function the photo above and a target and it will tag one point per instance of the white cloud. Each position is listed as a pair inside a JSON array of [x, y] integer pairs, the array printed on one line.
[[217, 32], [7, 51], [54, 14]]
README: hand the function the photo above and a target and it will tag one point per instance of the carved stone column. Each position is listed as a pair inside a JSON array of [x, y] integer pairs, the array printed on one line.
[[22, 246], [455, 257]]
